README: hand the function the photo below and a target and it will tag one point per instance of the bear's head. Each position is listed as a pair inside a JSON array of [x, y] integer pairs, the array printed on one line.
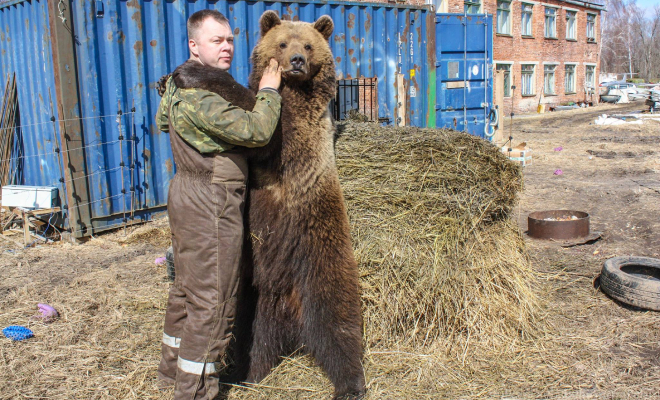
[[301, 48]]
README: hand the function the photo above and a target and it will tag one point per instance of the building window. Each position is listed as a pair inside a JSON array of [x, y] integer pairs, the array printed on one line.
[[526, 24], [569, 79], [549, 79], [527, 84], [439, 5], [472, 6], [506, 70], [589, 76], [591, 27], [550, 23], [504, 17], [570, 25]]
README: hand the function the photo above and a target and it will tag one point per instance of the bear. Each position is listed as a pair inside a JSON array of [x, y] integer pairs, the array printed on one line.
[[300, 289]]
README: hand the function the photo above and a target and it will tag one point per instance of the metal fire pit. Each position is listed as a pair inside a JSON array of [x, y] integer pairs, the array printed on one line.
[[558, 224]]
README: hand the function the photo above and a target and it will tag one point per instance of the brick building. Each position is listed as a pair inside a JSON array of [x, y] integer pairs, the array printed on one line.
[[548, 50]]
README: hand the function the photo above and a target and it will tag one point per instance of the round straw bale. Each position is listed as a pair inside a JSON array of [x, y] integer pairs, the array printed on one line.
[[438, 253]]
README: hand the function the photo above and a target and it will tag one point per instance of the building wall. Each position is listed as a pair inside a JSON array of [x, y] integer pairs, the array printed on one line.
[[516, 50]]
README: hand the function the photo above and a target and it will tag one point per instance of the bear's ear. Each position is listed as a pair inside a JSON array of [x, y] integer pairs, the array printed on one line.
[[268, 20], [325, 26]]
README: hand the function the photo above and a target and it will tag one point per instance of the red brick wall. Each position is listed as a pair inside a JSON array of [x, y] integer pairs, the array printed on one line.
[[514, 48]]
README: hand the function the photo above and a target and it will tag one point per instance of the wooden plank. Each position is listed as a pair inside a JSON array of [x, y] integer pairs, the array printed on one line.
[[499, 138], [43, 211], [26, 229]]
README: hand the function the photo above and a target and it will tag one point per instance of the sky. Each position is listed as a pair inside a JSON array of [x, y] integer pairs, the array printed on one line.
[[648, 5]]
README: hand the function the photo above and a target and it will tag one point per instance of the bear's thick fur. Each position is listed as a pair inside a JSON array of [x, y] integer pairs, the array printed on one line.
[[305, 290]]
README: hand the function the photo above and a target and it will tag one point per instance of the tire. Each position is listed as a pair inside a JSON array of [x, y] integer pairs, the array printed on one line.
[[633, 280], [169, 262]]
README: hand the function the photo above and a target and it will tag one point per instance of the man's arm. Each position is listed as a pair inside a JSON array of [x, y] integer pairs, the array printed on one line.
[[212, 115], [162, 116]]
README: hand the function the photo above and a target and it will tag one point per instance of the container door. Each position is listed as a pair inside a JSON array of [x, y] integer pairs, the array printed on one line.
[[463, 72]]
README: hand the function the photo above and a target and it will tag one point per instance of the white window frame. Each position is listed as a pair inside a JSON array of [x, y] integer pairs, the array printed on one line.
[[507, 88], [573, 79], [591, 28], [532, 84], [468, 6], [592, 84], [553, 81], [504, 17], [571, 25], [552, 32], [526, 27]]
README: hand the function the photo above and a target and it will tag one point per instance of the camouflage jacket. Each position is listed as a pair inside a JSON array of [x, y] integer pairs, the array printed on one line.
[[211, 124]]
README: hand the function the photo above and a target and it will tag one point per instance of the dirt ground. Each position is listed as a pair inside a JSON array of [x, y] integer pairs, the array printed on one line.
[[613, 173], [106, 344]]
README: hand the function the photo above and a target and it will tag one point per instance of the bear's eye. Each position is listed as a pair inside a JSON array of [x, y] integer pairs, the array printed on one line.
[[308, 47], [282, 45]]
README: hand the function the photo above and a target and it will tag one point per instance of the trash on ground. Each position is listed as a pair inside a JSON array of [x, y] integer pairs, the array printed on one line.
[[160, 260], [607, 120], [520, 154], [17, 332], [560, 148], [48, 313], [558, 172]]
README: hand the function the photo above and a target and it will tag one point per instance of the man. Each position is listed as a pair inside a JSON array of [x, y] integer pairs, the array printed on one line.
[[205, 206]]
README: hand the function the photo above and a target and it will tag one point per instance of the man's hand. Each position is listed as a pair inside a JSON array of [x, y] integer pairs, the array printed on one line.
[[272, 76]]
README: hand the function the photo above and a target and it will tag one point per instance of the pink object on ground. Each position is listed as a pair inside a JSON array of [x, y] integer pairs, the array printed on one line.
[[559, 148], [48, 313], [558, 172], [160, 260]]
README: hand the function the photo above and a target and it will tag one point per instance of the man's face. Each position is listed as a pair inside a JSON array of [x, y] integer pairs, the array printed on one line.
[[214, 44]]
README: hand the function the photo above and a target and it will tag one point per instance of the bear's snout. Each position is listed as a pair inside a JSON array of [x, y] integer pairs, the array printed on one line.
[[297, 61]]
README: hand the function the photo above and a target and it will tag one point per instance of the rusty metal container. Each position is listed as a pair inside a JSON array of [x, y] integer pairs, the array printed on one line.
[[558, 224], [96, 90]]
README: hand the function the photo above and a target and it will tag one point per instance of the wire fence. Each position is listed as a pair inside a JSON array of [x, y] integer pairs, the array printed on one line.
[[127, 164]]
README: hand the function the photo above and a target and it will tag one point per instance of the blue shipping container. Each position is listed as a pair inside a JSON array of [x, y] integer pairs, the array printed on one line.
[[464, 51], [123, 47]]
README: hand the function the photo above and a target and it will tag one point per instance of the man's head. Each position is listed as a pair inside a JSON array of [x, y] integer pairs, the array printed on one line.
[[210, 39]]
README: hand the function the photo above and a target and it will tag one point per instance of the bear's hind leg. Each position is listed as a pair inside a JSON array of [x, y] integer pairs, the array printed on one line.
[[272, 339], [332, 333]]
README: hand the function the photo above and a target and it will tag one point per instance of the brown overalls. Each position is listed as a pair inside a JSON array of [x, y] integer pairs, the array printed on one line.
[[205, 205]]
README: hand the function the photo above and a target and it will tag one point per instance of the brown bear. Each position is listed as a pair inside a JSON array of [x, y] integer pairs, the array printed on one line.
[[302, 283]]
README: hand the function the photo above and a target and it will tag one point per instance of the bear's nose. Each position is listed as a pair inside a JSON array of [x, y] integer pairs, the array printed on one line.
[[297, 61]]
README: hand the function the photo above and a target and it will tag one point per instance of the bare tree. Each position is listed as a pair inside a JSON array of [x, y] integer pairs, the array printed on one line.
[[630, 39]]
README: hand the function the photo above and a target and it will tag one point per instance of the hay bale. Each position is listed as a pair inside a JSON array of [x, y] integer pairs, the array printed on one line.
[[156, 233], [438, 253]]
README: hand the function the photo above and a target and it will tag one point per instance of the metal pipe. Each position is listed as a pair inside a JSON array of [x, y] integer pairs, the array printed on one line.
[[132, 164], [487, 72], [121, 165], [464, 70]]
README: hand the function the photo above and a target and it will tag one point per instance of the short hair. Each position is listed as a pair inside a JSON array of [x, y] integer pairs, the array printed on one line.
[[195, 21]]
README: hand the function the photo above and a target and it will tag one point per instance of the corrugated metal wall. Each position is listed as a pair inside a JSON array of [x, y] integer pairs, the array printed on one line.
[[126, 46], [122, 49], [464, 78], [25, 49]]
